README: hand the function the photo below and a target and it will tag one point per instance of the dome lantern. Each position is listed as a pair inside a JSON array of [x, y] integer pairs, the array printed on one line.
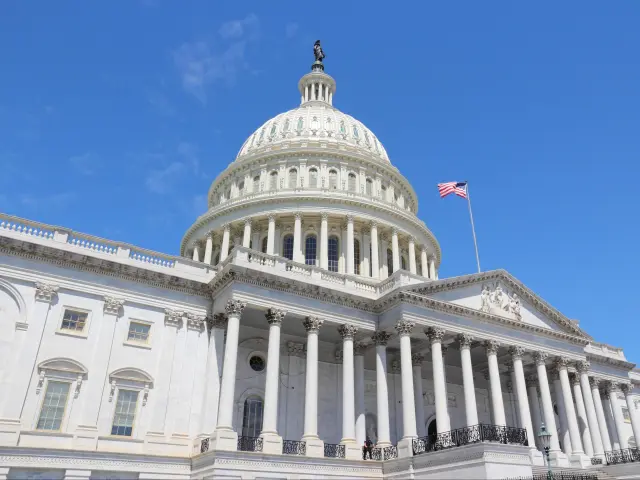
[[317, 86]]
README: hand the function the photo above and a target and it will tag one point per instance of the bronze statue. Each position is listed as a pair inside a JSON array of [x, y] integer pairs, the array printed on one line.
[[318, 52]]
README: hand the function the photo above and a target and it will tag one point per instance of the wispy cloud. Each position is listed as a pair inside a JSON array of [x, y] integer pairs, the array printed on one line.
[[202, 63], [184, 161], [159, 181], [291, 29], [86, 164], [52, 201]]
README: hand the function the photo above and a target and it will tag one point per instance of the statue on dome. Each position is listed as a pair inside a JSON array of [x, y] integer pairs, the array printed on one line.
[[318, 52]]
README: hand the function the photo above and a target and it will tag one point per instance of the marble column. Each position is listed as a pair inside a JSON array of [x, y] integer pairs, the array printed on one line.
[[297, 239], [350, 245], [520, 388], [208, 248], [352, 450], [424, 263], [271, 235], [365, 270], [581, 414], [315, 446], [395, 249], [470, 407], [627, 389], [324, 241], [226, 235], [361, 427], [272, 442], [608, 414], [436, 335], [216, 325], [196, 252], [405, 446], [224, 437], [592, 418], [412, 256], [564, 435], [594, 384], [380, 339], [547, 406], [418, 389], [534, 404], [574, 432], [494, 378], [375, 261], [384, 268], [246, 236], [432, 268], [612, 392]]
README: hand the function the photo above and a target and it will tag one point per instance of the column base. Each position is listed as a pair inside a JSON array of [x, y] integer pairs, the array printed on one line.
[[537, 459], [405, 447], [352, 451], [314, 447], [558, 459], [271, 443], [580, 460], [223, 439]]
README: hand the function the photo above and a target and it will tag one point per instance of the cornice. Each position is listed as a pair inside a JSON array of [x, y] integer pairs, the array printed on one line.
[[604, 360], [523, 291]]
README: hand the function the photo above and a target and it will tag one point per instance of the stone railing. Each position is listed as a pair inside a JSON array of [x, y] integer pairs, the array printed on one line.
[[26, 227], [467, 435]]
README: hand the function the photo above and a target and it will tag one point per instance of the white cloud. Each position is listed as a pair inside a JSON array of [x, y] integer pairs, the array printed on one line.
[[86, 164], [291, 29], [202, 63], [159, 181], [185, 161]]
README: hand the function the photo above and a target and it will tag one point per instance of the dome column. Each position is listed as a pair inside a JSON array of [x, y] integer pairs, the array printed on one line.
[[297, 239], [424, 263], [350, 246], [196, 252], [271, 234], [208, 248], [246, 238], [324, 241], [412, 256], [269, 434], [395, 250], [224, 250], [432, 268], [375, 263]]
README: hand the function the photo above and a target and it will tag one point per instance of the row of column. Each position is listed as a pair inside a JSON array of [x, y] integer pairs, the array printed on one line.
[[317, 91], [427, 262]]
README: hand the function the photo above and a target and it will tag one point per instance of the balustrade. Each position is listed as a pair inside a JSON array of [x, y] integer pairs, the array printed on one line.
[[333, 450], [467, 435], [628, 455], [294, 447], [250, 444]]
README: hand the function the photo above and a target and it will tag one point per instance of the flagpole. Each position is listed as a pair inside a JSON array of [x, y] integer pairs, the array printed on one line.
[[473, 229]]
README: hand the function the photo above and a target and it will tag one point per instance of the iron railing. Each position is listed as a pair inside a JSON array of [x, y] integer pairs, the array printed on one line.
[[250, 444], [628, 455], [333, 450], [596, 461], [294, 447], [204, 445], [467, 435], [386, 453], [558, 476]]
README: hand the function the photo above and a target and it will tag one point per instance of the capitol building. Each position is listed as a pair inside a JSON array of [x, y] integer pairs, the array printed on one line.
[[304, 315]]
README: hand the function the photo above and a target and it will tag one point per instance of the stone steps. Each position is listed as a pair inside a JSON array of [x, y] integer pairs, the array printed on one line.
[[594, 470]]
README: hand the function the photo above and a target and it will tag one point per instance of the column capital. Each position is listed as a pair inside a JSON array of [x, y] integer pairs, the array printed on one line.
[[444, 349], [412, 239], [417, 359], [583, 366], [324, 216], [492, 346], [349, 219], [373, 224], [298, 215], [347, 331], [218, 320], [553, 374], [509, 364], [594, 382], [465, 340], [247, 221], [574, 379], [404, 327], [173, 318], [394, 231], [209, 235], [312, 324], [295, 349], [359, 348], [46, 292], [435, 334], [195, 322], [271, 217], [611, 388], [540, 358], [234, 307], [432, 258], [626, 388], [275, 316], [112, 305], [517, 352], [380, 337], [531, 380], [226, 227], [562, 363]]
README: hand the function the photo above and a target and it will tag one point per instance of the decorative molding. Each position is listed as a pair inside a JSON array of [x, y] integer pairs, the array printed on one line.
[[561, 363], [380, 337], [583, 367], [112, 306], [492, 347], [173, 318], [404, 327], [347, 331], [435, 334], [359, 348], [218, 320], [465, 340], [234, 308], [275, 316], [196, 322], [46, 292], [540, 358], [594, 382], [312, 324], [517, 352], [417, 359]]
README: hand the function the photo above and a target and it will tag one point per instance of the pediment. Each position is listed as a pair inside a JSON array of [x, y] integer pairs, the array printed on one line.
[[132, 375], [499, 293], [66, 365]]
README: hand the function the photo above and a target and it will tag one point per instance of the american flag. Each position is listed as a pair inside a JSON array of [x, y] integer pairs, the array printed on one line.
[[459, 188]]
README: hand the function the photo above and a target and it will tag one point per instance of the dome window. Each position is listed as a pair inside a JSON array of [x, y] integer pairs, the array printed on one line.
[[375, 145], [256, 184], [356, 135], [273, 181], [293, 178], [241, 188], [287, 247], [261, 136], [356, 257], [274, 127], [315, 125], [285, 129], [366, 139], [369, 187], [332, 253], [310, 250], [329, 126], [313, 178], [300, 125], [253, 139], [333, 179], [343, 129], [352, 182], [389, 261]]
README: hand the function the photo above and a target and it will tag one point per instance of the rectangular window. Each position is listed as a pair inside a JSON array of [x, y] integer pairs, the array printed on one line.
[[138, 332], [74, 321], [53, 406], [125, 413]]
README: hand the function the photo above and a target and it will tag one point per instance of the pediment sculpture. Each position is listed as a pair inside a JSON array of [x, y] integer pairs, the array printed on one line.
[[498, 301]]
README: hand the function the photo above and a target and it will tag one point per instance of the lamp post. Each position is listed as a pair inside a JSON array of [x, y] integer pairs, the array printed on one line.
[[545, 441]]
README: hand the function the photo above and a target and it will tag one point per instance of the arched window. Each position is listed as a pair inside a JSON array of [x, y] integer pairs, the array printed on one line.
[[352, 182], [403, 263], [356, 257], [389, 261], [287, 247], [369, 187], [273, 181], [310, 250], [241, 188], [313, 178], [264, 245], [256, 183], [333, 254], [252, 417], [333, 179], [383, 192], [293, 178]]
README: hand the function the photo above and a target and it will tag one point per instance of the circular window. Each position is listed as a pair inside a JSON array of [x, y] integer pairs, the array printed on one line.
[[257, 363]]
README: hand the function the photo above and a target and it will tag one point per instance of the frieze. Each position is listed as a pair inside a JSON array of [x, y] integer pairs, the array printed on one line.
[[494, 299]]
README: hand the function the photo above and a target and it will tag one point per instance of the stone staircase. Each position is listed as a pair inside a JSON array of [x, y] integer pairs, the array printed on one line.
[[593, 470]]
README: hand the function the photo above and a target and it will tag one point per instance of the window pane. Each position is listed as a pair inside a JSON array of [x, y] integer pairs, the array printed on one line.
[[74, 321], [333, 179], [310, 250], [352, 182], [313, 178], [252, 417], [138, 332], [390, 261], [287, 247], [293, 178], [55, 400], [125, 413], [369, 187], [333, 254], [356, 257]]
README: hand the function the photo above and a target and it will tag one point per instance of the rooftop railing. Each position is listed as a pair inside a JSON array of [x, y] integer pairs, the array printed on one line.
[[468, 435]]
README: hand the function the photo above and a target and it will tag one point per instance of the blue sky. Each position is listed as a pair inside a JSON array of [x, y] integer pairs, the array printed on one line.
[[116, 116]]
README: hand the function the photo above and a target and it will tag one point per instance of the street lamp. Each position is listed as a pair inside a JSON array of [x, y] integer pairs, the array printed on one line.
[[545, 441]]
